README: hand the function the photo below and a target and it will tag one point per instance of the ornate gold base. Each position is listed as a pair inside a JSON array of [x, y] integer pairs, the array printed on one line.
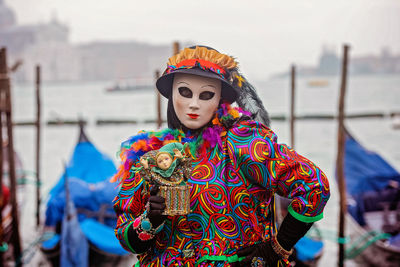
[[177, 199]]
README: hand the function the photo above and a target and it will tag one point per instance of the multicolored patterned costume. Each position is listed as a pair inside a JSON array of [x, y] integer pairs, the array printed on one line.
[[233, 184]]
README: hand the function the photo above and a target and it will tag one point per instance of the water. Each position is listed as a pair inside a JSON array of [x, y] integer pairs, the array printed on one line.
[[315, 139]]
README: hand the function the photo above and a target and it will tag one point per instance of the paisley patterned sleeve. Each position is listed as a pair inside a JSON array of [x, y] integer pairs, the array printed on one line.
[[128, 205], [258, 156]]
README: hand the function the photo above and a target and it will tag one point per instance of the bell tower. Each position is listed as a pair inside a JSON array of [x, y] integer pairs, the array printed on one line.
[[7, 16]]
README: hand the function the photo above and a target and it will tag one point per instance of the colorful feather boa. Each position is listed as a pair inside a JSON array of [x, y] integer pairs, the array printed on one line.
[[136, 146]]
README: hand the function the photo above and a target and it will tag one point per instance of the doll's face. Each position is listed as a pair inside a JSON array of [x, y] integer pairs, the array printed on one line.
[[164, 161], [195, 99]]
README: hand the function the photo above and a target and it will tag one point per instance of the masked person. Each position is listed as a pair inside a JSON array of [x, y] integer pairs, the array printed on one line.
[[237, 167]]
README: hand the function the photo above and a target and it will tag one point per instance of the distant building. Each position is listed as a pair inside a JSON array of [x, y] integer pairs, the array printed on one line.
[[45, 44], [48, 44], [120, 60], [330, 64], [17, 38], [7, 16], [385, 63]]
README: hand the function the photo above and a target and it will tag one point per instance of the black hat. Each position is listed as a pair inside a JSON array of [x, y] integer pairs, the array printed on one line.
[[201, 61]]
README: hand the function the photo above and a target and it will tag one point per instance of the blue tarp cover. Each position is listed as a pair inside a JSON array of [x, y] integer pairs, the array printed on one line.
[[84, 195], [366, 171], [102, 237], [87, 164], [88, 173], [367, 175]]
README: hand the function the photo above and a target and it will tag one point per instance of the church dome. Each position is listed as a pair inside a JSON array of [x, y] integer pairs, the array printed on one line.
[[7, 16]]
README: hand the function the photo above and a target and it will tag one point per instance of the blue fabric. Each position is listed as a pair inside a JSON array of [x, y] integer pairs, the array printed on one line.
[[102, 237], [307, 249], [88, 164], [88, 173], [52, 242], [366, 174], [74, 245], [84, 195], [365, 170]]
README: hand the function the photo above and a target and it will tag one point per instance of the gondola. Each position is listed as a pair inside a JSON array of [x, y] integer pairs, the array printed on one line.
[[373, 197], [84, 191]]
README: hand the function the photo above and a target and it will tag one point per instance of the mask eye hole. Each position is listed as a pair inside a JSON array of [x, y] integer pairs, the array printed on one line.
[[207, 95], [185, 92]]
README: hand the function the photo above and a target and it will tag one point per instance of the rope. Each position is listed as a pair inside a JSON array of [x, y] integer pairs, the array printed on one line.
[[24, 180], [28, 177], [363, 242], [356, 247], [327, 234], [29, 173], [28, 253], [22, 173]]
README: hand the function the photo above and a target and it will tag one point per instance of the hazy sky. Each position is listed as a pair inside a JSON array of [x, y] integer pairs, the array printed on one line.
[[266, 36]]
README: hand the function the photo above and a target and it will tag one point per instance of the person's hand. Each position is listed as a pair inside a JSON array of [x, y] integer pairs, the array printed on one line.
[[155, 207], [262, 253]]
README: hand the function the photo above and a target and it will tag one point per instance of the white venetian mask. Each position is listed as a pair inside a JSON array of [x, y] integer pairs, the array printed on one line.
[[195, 99]]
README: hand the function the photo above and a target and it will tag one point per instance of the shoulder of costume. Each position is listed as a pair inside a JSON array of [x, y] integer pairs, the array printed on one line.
[[256, 127]]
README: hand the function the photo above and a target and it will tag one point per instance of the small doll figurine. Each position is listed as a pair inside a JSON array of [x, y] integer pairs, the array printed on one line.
[[170, 169]]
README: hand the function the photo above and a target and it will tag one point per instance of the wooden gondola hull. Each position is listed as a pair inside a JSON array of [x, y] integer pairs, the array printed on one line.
[[379, 253]]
